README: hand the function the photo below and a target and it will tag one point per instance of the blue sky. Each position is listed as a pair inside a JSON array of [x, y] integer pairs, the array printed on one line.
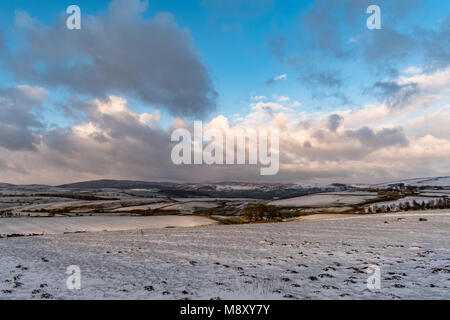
[[311, 68]]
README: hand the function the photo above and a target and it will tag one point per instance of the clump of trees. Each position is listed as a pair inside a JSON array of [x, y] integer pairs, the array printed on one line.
[[441, 203], [6, 214], [262, 212]]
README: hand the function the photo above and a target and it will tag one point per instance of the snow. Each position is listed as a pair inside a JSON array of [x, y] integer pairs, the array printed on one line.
[[32, 204], [326, 199], [143, 207], [189, 207], [184, 207], [12, 202], [446, 191], [321, 258], [236, 187], [432, 182], [212, 199], [435, 182], [57, 225], [435, 193]]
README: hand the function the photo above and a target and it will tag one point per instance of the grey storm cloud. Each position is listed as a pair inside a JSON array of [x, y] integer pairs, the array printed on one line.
[[342, 145], [120, 143], [127, 148], [334, 122], [396, 95], [19, 122], [117, 52], [58, 139], [383, 138], [326, 149]]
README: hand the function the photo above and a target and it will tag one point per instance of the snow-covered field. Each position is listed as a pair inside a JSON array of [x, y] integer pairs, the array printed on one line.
[[189, 207], [28, 205], [309, 259], [143, 207], [435, 193], [57, 225], [327, 199]]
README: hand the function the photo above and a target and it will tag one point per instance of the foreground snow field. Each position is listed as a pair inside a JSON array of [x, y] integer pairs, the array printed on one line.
[[309, 259], [57, 225]]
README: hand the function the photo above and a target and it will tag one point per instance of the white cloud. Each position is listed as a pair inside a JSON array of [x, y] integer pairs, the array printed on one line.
[[276, 79], [258, 98], [412, 70], [281, 77], [283, 98]]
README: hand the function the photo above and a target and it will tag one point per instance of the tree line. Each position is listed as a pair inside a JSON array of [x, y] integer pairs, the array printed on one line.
[[441, 203]]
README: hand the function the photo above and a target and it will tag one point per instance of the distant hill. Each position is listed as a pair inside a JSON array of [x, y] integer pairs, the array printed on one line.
[[216, 190], [116, 184], [422, 182]]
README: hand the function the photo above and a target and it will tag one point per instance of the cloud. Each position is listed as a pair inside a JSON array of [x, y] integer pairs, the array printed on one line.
[[324, 84], [283, 99], [417, 90], [276, 79], [326, 25], [334, 34], [258, 98], [113, 139], [436, 44], [19, 121], [115, 142], [387, 47], [412, 70], [328, 78], [383, 138], [394, 94], [117, 52], [334, 122]]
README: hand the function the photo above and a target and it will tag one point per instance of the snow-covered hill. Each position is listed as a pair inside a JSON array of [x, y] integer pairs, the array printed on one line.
[[421, 182]]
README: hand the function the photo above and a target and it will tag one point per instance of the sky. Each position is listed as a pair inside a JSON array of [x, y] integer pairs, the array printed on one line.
[[352, 104]]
